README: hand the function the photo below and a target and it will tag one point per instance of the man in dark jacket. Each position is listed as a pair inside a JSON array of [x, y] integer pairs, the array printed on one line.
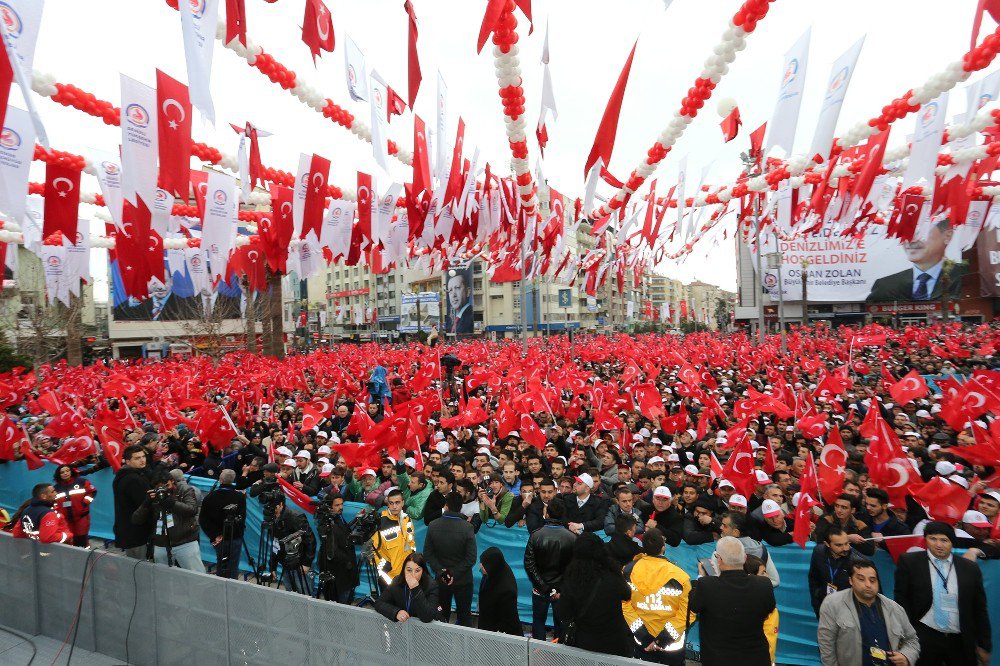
[[546, 556], [731, 609], [174, 512], [884, 524], [702, 525], [830, 567], [584, 511], [623, 547], [223, 516], [337, 563], [450, 551], [944, 598], [533, 512], [665, 516], [443, 484], [296, 548], [129, 489]]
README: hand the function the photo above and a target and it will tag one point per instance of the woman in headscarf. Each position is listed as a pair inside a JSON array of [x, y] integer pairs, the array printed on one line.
[[498, 595], [591, 597]]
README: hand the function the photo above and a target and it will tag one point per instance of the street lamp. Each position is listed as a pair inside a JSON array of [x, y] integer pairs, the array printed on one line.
[[774, 264], [752, 169]]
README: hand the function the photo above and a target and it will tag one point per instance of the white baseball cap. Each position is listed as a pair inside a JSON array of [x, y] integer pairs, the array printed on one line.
[[514, 433], [288, 462], [654, 460], [327, 468], [662, 491], [738, 500], [410, 462], [945, 468], [441, 447], [762, 477], [322, 434], [644, 432], [726, 483], [323, 450], [304, 454], [770, 509], [585, 479], [673, 457], [976, 519], [283, 451], [369, 472], [959, 480]]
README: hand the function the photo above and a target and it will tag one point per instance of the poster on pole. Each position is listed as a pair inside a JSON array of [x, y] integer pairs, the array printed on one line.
[[424, 308]]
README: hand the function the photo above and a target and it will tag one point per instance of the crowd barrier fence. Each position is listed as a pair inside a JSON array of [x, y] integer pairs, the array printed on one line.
[[797, 629]]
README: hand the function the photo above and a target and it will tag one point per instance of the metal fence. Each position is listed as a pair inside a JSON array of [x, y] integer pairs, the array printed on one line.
[[148, 614]]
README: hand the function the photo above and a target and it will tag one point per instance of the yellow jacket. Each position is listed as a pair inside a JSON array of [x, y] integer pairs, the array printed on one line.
[[392, 543], [659, 600], [771, 632]]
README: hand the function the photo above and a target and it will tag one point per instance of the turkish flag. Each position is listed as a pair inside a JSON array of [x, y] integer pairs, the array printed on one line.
[[395, 105], [531, 433], [389, 434], [65, 424], [910, 206], [173, 106], [73, 450], [803, 510], [731, 124], [10, 435], [412, 59], [455, 180], [901, 545], [812, 426], [360, 422], [112, 438], [50, 402], [831, 468], [6, 81], [675, 423], [604, 141], [310, 417], [312, 214], [649, 401], [215, 429], [317, 28], [506, 419], [300, 499], [362, 232], [943, 500], [62, 201], [739, 469], [910, 387]]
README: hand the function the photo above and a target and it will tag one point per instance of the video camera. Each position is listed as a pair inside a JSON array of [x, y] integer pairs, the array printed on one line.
[[270, 496], [363, 527]]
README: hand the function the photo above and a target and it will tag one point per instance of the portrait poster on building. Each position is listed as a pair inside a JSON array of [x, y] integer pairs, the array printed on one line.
[[458, 320]]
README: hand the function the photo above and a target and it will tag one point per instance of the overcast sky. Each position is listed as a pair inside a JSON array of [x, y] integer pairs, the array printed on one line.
[[88, 42]]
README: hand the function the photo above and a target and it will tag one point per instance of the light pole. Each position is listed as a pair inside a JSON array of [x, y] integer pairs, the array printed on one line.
[[805, 292], [752, 169], [774, 264]]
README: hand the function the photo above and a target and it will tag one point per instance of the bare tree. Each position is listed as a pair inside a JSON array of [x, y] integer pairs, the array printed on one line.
[[203, 327], [44, 331]]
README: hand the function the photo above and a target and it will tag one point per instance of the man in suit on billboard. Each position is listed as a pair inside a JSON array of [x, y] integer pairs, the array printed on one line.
[[460, 302], [925, 279]]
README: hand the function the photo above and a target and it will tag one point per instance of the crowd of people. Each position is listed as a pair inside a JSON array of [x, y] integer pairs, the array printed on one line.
[[606, 458]]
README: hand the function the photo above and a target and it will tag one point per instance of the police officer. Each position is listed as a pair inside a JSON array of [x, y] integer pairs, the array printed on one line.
[[39, 520]]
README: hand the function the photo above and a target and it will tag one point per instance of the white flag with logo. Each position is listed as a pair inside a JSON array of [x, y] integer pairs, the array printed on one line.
[[379, 100], [31, 226], [966, 234], [836, 91], [442, 156], [309, 258], [781, 129], [220, 220], [108, 169], [77, 263], [337, 227], [399, 231], [54, 265], [196, 269], [354, 61], [20, 21], [140, 143], [926, 143], [17, 148], [299, 193], [383, 214], [163, 204], [681, 180], [198, 25]]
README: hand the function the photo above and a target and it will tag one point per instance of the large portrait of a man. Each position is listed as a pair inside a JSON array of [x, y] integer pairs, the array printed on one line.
[[460, 307], [925, 279]]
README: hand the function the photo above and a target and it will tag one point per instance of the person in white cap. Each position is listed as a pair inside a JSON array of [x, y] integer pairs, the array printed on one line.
[[584, 511], [979, 528], [664, 515], [738, 503], [306, 476]]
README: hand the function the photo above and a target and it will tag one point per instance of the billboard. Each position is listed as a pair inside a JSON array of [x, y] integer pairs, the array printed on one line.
[[175, 299], [426, 305], [459, 318], [989, 263], [872, 268]]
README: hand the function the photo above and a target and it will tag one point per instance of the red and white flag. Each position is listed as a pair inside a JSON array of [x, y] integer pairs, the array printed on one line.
[[140, 140], [604, 141], [62, 200], [317, 28], [315, 200], [300, 499], [173, 106], [413, 61]]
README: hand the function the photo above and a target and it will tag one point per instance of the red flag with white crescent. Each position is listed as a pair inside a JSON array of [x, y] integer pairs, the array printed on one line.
[[236, 21], [312, 214], [173, 107], [300, 499], [62, 200], [413, 61], [317, 28], [739, 469]]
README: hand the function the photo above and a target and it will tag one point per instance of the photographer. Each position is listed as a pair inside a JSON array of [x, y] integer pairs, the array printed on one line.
[[268, 480], [494, 499], [174, 514], [225, 510], [296, 548], [450, 551], [338, 568], [393, 541]]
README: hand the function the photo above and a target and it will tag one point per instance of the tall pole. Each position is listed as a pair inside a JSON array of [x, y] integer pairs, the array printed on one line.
[[524, 298], [760, 273], [781, 296], [805, 292]]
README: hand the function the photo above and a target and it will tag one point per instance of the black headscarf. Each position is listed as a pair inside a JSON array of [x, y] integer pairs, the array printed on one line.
[[498, 595]]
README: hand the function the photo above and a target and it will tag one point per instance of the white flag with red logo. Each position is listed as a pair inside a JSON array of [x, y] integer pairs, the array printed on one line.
[[140, 142], [926, 143], [108, 170], [357, 79], [20, 21], [786, 109], [220, 218], [17, 145], [379, 99], [198, 25], [833, 99]]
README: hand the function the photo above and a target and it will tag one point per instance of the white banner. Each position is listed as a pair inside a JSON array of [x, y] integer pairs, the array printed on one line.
[[395, 245], [836, 91], [681, 179], [442, 158], [337, 227], [108, 169], [198, 25], [220, 220], [77, 258], [54, 265], [354, 62], [196, 269], [299, 193], [31, 227], [310, 257], [872, 268], [140, 142], [17, 148], [926, 143], [781, 129], [379, 101], [384, 209], [163, 204], [22, 19]]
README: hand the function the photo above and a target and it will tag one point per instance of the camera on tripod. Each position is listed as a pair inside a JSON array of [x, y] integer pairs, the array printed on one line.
[[363, 527], [270, 497]]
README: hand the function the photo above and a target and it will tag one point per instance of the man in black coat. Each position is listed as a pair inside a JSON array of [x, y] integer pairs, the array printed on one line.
[[434, 507], [450, 551], [213, 516], [129, 488], [336, 555], [546, 556], [731, 610], [534, 513], [830, 566], [585, 511], [292, 529], [944, 598]]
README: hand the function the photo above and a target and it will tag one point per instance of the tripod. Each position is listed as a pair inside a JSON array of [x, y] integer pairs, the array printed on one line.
[[164, 525], [228, 528], [371, 572], [265, 545]]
